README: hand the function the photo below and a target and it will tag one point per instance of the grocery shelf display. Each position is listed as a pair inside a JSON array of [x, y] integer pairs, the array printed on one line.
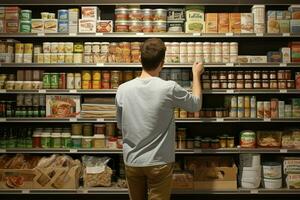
[[77, 54]]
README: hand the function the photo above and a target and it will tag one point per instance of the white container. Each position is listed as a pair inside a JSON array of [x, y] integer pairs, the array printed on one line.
[[191, 58], [60, 47], [233, 58], [249, 172], [213, 58], [258, 14], [207, 58], [199, 58], [206, 48], [212, 47], [46, 47], [168, 47], [175, 48], [27, 58], [272, 183], [183, 58], [47, 58], [225, 58], [233, 48], [198, 48], [225, 48], [54, 47], [183, 48], [218, 58], [191, 48], [250, 183], [272, 170], [218, 48]]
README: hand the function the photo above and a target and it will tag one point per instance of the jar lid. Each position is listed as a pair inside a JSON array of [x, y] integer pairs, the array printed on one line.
[[66, 134], [56, 135], [99, 136], [215, 140], [88, 43], [76, 136], [37, 134], [45, 134], [87, 137], [271, 164]]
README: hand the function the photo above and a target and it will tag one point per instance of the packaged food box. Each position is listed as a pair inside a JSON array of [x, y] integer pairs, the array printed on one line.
[[258, 14], [247, 25], [269, 139], [104, 26], [258, 59], [2, 26], [293, 181], [291, 165], [296, 107], [211, 22], [50, 26], [175, 26], [12, 26], [37, 26], [194, 14], [274, 56], [2, 13], [175, 14], [90, 12], [295, 26], [63, 27], [87, 26], [235, 22], [223, 25], [291, 139], [62, 106], [295, 11], [194, 27], [286, 54], [287, 14], [284, 26], [279, 14], [73, 20], [244, 59], [271, 14], [273, 26], [12, 13], [182, 180], [295, 46]]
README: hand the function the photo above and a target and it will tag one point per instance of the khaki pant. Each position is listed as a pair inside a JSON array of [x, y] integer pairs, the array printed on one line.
[[154, 182]]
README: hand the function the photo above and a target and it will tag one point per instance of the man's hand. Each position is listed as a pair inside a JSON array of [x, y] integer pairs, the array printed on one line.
[[198, 69]]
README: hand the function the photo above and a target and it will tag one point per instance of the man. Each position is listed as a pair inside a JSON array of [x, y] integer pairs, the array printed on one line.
[[145, 114]]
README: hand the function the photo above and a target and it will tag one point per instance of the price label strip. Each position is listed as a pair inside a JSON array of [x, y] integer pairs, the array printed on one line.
[[220, 119]]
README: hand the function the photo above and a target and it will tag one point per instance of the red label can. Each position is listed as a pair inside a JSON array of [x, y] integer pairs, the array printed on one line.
[[62, 81]]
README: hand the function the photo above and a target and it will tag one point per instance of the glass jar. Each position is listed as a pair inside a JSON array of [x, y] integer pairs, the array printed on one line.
[[239, 84], [273, 75], [87, 142], [66, 141], [240, 75], [112, 143], [215, 143], [256, 75], [231, 75], [281, 84], [219, 113], [215, 84], [36, 140], [248, 75], [45, 140], [223, 75], [205, 143], [214, 75], [257, 84], [206, 76], [56, 140], [248, 84], [99, 141], [206, 84], [223, 84], [223, 141], [265, 75], [189, 143], [197, 142], [231, 84], [281, 75], [273, 84], [76, 141], [230, 142], [287, 74], [265, 84], [290, 84]]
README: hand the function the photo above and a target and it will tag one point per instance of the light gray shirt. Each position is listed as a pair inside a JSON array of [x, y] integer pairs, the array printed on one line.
[[145, 115]]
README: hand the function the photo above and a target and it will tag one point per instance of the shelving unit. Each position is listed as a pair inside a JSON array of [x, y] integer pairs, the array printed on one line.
[[237, 123]]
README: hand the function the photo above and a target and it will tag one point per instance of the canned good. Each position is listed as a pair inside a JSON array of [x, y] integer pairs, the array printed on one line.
[[105, 76], [282, 84], [265, 84], [233, 102], [63, 15], [297, 80], [256, 84], [54, 47], [25, 26], [135, 14], [248, 139], [62, 81], [253, 107], [69, 47], [127, 76], [121, 26], [78, 47], [248, 84], [260, 109], [96, 75], [46, 80], [159, 15], [86, 75], [274, 108], [86, 85], [96, 84], [25, 15], [19, 48], [105, 84], [28, 48], [70, 81], [60, 47], [115, 76], [281, 108], [88, 47], [54, 80], [77, 80], [53, 58], [69, 58], [121, 14], [267, 109], [273, 84], [96, 47], [159, 26], [247, 103], [147, 26], [147, 14]]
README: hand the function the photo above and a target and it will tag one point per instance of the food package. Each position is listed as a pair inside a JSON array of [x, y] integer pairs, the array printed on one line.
[[96, 172], [295, 46], [284, 26], [90, 12], [244, 59], [271, 14], [98, 114], [296, 107], [273, 26], [50, 26], [295, 11], [235, 22], [2, 26], [175, 26], [211, 22], [291, 139], [223, 25], [258, 59], [194, 27], [286, 54], [87, 26], [274, 56], [37, 26], [182, 180], [291, 165], [269, 138], [12, 13], [2, 13], [73, 20], [194, 14], [12, 26], [62, 106], [295, 26], [104, 26], [97, 107], [175, 14], [293, 181], [247, 25]]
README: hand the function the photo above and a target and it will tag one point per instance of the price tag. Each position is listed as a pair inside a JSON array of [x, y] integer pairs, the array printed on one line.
[[41, 34], [73, 119], [286, 34], [197, 150], [254, 191], [220, 119], [282, 91], [99, 64], [283, 150], [42, 91], [140, 34], [73, 151], [229, 91], [85, 191], [73, 91], [99, 34], [229, 34], [267, 119], [229, 64], [196, 34], [259, 34], [2, 119], [72, 34], [2, 150], [282, 64], [25, 191], [2, 91], [100, 119]]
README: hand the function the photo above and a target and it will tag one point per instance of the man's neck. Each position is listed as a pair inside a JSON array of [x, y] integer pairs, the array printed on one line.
[[148, 74]]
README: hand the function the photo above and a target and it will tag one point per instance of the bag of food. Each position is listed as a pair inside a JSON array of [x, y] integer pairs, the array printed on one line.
[[96, 171]]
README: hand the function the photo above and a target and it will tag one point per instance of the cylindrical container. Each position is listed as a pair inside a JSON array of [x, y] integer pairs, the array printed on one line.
[[86, 85], [159, 26], [121, 14], [147, 14], [76, 141], [260, 109], [206, 48], [110, 129], [159, 15], [225, 58], [135, 26], [121, 26], [56, 140], [198, 48], [274, 108], [45, 140], [25, 15], [87, 129], [46, 80], [253, 107], [70, 81], [62, 81], [77, 81], [25, 26], [272, 170], [76, 129], [135, 14], [297, 80], [86, 75], [233, 48], [66, 141], [77, 58], [267, 109], [225, 48], [63, 15], [54, 80], [147, 26], [247, 139]]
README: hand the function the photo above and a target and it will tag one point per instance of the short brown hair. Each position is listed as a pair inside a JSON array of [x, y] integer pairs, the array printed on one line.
[[152, 53]]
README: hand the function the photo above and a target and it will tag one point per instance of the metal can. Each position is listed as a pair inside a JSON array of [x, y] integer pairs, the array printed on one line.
[[46, 80], [114, 84], [19, 48], [267, 109], [105, 76], [115, 76], [247, 103], [96, 84], [241, 112], [54, 80], [233, 101], [105, 84], [70, 81], [281, 107], [96, 75], [62, 81], [274, 108], [86, 76], [297, 80], [25, 26], [77, 81], [248, 139], [86, 85], [25, 15], [241, 102], [63, 15], [260, 109], [127, 76], [28, 48]]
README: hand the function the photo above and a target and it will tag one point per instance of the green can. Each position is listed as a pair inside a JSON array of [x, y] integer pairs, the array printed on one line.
[[26, 15], [54, 77], [46, 81], [25, 26]]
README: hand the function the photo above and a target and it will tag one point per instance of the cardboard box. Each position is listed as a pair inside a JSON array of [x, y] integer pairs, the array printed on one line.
[[223, 25], [286, 54], [37, 26], [87, 26], [194, 15], [244, 59], [295, 46], [274, 56], [194, 27], [273, 26], [182, 180], [295, 26], [247, 24], [258, 59], [12, 13], [50, 26], [235, 22], [12, 26], [271, 14], [90, 12], [284, 26], [62, 106], [293, 181], [104, 26], [46, 178], [211, 22]]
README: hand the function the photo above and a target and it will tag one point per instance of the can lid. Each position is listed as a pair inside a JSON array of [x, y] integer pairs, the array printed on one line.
[[76, 136], [56, 135], [99, 136], [65, 134], [45, 134]]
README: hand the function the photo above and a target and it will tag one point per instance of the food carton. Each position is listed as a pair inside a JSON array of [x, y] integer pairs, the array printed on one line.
[[247, 25], [37, 26], [194, 14], [90, 12], [286, 54], [291, 165], [293, 181], [258, 59], [50, 26], [271, 14], [12, 26], [194, 27], [295, 26], [223, 25], [87, 26], [235, 22], [183, 180], [295, 46], [274, 56], [104, 26], [244, 59], [273, 26], [211, 24], [62, 106], [12, 13], [284, 26]]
